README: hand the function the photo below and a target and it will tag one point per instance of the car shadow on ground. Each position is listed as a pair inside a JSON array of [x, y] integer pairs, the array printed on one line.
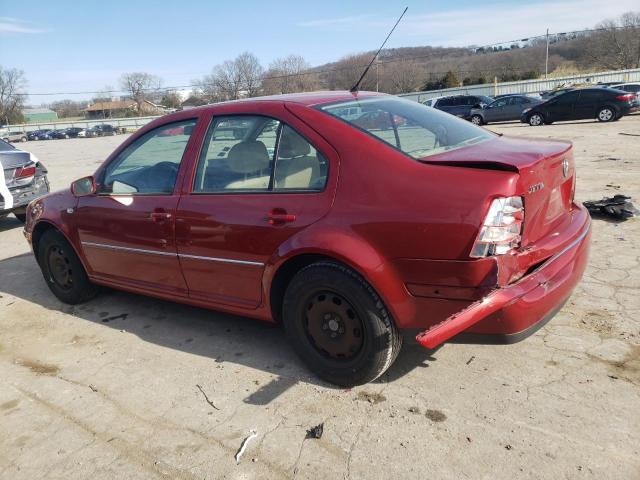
[[219, 336], [9, 223]]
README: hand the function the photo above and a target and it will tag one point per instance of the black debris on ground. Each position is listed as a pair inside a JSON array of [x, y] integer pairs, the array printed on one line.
[[618, 207], [315, 432]]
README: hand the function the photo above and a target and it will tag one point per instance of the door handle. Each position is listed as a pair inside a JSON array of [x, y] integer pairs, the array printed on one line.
[[279, 216], [159, 216]]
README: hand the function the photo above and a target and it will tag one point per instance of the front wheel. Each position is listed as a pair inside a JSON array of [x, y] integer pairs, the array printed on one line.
[[63, 270], [606, 114], [476, 120], [535, 120], [338, 325]]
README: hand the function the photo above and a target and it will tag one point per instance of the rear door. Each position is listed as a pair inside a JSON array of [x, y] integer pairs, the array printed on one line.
[[127, 228], [247, 195], [495, 112], [588, 103]]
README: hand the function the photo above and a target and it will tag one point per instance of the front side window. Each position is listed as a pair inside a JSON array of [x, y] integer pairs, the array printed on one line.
[[253, 153], [150, 164], [412, 128]]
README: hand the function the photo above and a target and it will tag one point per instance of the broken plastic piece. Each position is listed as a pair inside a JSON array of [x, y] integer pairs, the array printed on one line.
[[618, 207], [252, 434]]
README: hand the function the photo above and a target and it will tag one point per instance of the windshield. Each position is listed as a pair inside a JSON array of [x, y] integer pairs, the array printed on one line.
[[411, 127]]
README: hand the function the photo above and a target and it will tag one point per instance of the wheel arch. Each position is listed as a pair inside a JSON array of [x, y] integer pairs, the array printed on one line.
[[348, 250], [44, 226]]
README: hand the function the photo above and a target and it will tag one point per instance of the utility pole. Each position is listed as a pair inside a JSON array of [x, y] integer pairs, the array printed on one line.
[[546, 61], [377, 76]]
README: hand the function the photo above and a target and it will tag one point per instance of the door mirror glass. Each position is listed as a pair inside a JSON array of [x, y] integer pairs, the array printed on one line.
[[83, 187]]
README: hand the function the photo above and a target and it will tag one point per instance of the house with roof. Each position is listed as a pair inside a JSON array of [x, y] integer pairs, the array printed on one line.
[[121, 108]]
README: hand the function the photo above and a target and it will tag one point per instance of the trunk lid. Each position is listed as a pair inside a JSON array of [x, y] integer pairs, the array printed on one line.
[[546, 176], [10, 162]]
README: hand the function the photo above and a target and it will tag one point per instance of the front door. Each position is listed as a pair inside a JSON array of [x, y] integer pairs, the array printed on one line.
[[259, 180], [127, 229], [561, 108]]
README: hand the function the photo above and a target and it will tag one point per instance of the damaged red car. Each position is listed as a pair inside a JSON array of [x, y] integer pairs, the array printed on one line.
[[288, 209]]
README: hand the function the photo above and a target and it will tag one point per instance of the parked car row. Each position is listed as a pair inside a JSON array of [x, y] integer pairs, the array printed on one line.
[[603, 102], [101, 130]]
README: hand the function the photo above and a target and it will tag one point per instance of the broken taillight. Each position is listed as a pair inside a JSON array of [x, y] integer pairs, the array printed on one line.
[[502, 228], [26, 171]]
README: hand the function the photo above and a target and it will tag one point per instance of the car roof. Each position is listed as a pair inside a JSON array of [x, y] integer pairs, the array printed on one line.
[[307, 98]]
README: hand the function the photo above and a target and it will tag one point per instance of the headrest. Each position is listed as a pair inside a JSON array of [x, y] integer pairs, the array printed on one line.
[[292, 145], [248, 157]]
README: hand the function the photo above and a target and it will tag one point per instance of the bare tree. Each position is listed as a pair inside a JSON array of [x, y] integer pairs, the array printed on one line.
[[67, 108], [347, 71], [289, 75], [250, 72], [104, 95], [232, 79], [12, 96], [140, 86], [401, 77], [617, 44]]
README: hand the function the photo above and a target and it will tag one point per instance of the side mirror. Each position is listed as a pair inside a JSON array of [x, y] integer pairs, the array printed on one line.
[[84, 186]]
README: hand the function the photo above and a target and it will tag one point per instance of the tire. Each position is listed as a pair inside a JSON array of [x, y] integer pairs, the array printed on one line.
[[6, 140], [62, 269], [338, 325], [66, 136], [20, 216], [535, 119], [477, 120], [606, 114], [23, 139]]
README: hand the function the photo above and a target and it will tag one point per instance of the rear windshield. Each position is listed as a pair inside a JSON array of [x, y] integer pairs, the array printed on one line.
[[411, 127]]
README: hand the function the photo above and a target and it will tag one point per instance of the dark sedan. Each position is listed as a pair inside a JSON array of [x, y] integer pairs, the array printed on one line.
[[604, 104], [507, 108], [22, 179], [42, 134]]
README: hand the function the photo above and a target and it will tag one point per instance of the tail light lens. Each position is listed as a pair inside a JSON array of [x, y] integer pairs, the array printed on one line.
[[502, 228], [626, 96], [26, 171]]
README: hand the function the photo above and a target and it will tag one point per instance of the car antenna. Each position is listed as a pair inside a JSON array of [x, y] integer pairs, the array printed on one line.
[[355, 87]]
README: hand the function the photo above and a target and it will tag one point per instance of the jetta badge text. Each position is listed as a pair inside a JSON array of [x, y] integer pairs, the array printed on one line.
[[536, 187], [565, 167]]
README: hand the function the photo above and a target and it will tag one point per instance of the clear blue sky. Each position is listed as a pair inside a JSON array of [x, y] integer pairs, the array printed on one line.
[[84, 45]]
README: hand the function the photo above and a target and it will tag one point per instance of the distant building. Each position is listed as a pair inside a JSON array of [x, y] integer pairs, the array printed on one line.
[[121, 108], [39, 115]]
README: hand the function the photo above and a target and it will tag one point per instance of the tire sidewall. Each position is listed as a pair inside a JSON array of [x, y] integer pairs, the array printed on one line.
[[479, 122], [377, 350], [82, 288]]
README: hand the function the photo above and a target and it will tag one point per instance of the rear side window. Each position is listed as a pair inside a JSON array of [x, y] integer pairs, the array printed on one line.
[[410, 127], [253, 153], [590, 96]]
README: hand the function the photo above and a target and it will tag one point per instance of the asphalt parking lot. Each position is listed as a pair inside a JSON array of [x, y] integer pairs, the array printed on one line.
[[131, 387]]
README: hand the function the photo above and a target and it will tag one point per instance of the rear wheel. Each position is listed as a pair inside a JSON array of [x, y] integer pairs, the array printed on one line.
[[606, 114], [23, 139], [535, 120], [338, 325], [477, 120], [62, 269]]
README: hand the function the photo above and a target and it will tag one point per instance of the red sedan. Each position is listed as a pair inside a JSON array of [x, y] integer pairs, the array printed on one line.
[[344, 234]]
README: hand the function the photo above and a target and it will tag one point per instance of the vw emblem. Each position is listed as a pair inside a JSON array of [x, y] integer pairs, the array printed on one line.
[[565, 167]]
